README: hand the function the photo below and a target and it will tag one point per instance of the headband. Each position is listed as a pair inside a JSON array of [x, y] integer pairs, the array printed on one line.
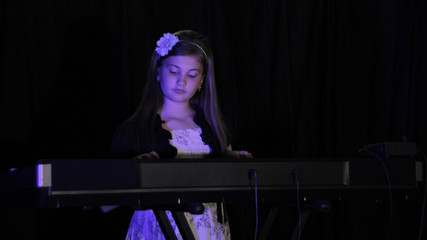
[[168, 41]]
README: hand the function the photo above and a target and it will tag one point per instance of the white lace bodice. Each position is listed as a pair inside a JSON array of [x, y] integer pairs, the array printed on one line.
[[189, 143]]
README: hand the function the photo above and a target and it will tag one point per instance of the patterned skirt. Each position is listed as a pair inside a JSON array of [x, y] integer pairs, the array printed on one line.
[[204, 226]]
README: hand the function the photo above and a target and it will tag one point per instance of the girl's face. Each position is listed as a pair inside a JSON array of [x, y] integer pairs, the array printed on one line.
[[180, 77]]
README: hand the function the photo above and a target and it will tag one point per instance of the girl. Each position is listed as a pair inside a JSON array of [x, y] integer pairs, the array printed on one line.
[[178, 117]]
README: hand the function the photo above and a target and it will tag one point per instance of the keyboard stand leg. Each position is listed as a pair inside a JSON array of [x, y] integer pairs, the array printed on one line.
[[183, 225], [165, 224], [304, 216], [268, 222]]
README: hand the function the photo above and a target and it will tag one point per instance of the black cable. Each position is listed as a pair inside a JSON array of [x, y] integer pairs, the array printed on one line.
[[374, 154], [254, 174], [295, 174]]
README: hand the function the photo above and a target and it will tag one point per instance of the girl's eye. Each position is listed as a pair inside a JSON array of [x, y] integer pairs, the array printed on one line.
[[173, 70], [193, 74]]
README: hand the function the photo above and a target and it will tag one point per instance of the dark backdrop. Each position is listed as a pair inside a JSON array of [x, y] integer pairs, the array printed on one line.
[[296, 78]]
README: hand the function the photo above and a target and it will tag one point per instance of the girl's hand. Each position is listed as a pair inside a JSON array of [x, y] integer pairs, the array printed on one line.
[[150, 155], [239, 154]]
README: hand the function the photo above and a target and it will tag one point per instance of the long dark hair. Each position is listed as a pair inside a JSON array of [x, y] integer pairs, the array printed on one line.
[[152, 100]]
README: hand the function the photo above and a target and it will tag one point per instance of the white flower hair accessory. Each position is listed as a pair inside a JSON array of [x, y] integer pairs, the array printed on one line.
[[166, 43]]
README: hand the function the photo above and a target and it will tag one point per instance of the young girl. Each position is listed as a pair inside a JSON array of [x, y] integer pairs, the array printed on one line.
[[178, 117]]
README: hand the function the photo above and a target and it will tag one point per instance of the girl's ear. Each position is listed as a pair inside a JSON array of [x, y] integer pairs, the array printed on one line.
[[158, 74]]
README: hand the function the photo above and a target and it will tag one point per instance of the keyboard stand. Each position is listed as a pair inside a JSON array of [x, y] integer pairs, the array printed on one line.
[[183, 225], [268, 222], [181, 222]]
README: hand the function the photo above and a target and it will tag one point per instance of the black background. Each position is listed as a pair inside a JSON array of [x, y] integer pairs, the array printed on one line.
[[295, 78]]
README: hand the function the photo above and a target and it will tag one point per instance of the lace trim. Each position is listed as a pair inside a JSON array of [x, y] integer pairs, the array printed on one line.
[[189, 143], [166, 150]]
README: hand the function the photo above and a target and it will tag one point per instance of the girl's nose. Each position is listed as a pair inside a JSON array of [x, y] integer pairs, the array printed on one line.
[[181, 81]]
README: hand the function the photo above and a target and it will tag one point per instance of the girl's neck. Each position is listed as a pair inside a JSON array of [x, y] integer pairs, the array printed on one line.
[[176, 110], [177, 116]]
